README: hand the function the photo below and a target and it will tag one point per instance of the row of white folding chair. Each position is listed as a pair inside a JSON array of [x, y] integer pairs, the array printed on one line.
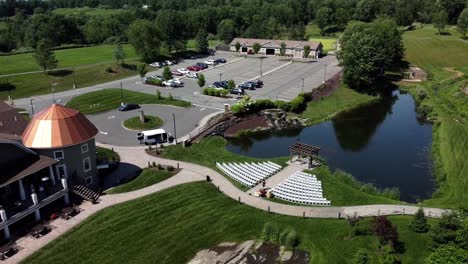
[[302, 200], [297, 194], [304, 182], [236, 171], [307, 178], [251, 169], [268, 167], [258, 166], [300, 188], [299, 198], [240, 178], [243, 171], [306, 175], [290, 189], [274, 165], [233, 176]]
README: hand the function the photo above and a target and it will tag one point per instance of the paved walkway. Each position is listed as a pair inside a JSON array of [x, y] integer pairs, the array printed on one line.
[[192, 173], [277, 178]]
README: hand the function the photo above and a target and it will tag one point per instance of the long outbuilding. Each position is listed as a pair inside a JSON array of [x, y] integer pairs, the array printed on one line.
[[293, 48]]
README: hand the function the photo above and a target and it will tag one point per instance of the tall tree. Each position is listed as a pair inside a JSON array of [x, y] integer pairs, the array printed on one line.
[[306, 51], [226, 30], [256, 47], [385, 230], [202, 41], [145, 38], [283, 49], [142, 69], [44, 56], [325, 20], [419, 223], [367, 50], [119, 54], [201, 80], [171, 24], [440, 20], [167, 74], [237, 46], [462, 22]]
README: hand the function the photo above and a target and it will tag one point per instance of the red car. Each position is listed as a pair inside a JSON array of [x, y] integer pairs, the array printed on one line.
[[176, 73], [193, 68], [250, 52]]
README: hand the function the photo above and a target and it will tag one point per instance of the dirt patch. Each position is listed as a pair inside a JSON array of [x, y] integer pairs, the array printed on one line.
[[250, 252], [252, 123], [458, 74]]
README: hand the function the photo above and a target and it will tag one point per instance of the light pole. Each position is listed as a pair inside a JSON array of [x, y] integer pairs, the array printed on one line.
[[175, 132], [261, 64], [302, 84], [53, 91], [32, 106], [74, 83], [121, 94], [220, 76], [325, 74]]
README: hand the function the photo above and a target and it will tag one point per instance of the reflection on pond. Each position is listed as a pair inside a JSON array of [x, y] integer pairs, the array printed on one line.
[[384, 143]]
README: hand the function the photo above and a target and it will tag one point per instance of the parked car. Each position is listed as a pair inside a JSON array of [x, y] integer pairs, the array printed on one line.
[[192, 75], [238, 91], [256, 83], [220, 60], [247, 85], [222, 84], [211, 62], [250, 52], [173, 83], [168, 62], [128, 107], [177, 73], [202, 65], [157, 64], [154, 77], [193, 68], [183, 70]]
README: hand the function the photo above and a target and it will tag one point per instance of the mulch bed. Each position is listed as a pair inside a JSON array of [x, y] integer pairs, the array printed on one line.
[[251, 123]]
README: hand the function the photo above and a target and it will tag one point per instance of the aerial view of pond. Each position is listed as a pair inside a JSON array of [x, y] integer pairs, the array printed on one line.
[[384, 143]]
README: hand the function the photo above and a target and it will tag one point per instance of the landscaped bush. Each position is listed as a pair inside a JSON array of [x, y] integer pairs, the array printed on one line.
[[421, 93], [298, 104], [262, 104], [270, 232], [170, 168], [153, 81], [424, 109], [283, 105], [215, 92]]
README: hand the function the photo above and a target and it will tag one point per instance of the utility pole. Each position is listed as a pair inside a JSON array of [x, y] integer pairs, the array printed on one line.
[[74, 82], [53, 91], [32, 106], [175, 132], [325, 74], [220, 75], [302, 84], [261, 65], [121, 94]]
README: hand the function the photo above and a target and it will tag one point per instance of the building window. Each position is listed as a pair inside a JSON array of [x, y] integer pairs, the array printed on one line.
[[84, 148], [86, 164], [89, 180], [59, 154]]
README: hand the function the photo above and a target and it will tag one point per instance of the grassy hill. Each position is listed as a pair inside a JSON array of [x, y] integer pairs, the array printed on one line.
[[172, 226], [447, 106], [88, 11]]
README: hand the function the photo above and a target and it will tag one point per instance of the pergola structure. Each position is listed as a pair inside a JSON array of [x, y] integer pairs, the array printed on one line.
[[302, 149]]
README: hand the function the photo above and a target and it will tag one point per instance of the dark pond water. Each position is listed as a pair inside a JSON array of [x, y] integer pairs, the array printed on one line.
[[383, 143]]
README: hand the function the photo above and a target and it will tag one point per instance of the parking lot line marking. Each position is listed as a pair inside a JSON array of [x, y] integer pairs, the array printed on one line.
[[104, 133], [204, 108], [111, 117], [270, 71], [210, 107]]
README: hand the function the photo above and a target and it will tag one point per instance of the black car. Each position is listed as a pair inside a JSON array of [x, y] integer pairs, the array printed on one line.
[[247, 85], [258, 83], [238, 91], [220, 61], [202, 65], [221, 84], [128, 107]]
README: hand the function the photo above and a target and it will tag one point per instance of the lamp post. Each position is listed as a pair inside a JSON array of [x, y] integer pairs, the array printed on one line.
[[325, 74], [53, 91], [121, 94], [261, 65], [220, 76], [175, 132], [32, 106], [302, 84]]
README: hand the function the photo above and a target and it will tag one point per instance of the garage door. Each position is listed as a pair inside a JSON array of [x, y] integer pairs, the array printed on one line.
[[270, 51]]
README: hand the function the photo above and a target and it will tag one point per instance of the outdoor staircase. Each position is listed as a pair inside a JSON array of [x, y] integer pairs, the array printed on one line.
[[85, 193]]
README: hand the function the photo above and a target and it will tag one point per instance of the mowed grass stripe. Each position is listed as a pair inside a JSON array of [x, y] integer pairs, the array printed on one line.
[[110, 99]]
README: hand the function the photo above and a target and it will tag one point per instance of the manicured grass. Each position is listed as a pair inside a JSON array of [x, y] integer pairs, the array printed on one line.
[[150, 123], [38, 83], [66, 58], [148, 177], [211, 150], [192, 44], [342, 190], [109, 99], [329, 44], [88, 11], [341, 100], [172, 226], [432, 52], [105, 154]]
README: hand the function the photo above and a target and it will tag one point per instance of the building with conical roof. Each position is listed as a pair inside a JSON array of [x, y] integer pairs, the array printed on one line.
[[64, 134]]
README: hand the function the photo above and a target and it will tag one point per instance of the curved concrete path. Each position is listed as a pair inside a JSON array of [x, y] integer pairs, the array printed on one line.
[[191, 173]]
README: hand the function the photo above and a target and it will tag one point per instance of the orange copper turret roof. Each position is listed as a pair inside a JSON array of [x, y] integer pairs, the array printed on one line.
[[58, 126]]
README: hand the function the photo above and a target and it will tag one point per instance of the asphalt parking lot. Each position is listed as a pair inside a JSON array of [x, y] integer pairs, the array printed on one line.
[[112, 132]]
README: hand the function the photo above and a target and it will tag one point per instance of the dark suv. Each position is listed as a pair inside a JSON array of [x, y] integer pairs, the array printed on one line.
[[222, 84], [247, 85], [202, 65], [128, 107]]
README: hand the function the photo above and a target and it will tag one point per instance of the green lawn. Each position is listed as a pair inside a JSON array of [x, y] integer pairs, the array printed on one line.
[[150, 123], [67, 58], [192, 44], [342, 190], [88, 11], [341, 100], [329, 44], [109, 99], [432, 52], [148, 177], [83, 76], [172, 226], [106, 154]]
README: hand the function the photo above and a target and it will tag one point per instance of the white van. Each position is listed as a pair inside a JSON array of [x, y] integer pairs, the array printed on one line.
[[155, 136]]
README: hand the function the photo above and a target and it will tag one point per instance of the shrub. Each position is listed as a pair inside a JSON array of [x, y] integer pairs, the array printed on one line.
[[215, 92], [170, 168], [292, 239], [262, 104], [160, 167], [419, 223], [361, 257], [282, 105], [154, 164], [156, 82], [109, 69], [298, 104], [421, 93], [270, 232], [231, 85]]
